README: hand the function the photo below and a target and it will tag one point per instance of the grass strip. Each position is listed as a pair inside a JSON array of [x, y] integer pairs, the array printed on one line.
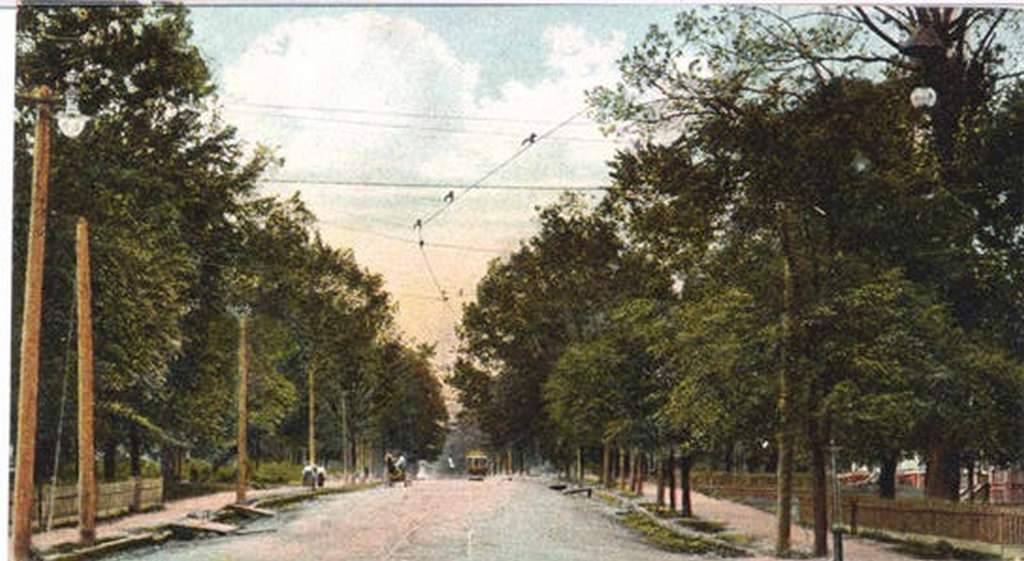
[[668, 540]]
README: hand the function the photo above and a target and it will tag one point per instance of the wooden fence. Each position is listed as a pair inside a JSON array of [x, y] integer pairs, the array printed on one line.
[[971, 522], [113, 499]]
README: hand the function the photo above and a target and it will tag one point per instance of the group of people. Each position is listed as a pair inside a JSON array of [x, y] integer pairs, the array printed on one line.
[[314, 476], [396, 469]]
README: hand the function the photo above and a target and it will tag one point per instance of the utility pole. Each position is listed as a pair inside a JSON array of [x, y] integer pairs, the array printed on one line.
[[243, 383], [312, 420], [31, 320], [346, 449], [786, 382], [86, 439]]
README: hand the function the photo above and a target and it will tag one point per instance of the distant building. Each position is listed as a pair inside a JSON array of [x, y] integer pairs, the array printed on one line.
[[1002, 486], [1006, 486]]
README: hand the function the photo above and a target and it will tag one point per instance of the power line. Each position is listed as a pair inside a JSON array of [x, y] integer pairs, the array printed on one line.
[[392, 237], [419, 296], [406, 126], [526, 145], [433, 277], [413, 114], [414, 185]]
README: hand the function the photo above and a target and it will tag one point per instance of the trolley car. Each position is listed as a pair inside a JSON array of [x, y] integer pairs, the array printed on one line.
[[477, 465]]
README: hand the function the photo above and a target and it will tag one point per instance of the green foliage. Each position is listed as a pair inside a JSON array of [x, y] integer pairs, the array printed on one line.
[[179, 239], [530, 306], [277, 473]]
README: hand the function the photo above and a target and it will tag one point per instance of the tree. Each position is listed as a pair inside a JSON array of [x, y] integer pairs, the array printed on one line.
[[146, 156], [530, 307], [790, 158]]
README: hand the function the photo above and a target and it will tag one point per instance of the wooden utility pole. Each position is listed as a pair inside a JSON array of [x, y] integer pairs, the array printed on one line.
[[312, 420], [31, 320], [243, 383], [346, 446], [86, 432], [786, 382]]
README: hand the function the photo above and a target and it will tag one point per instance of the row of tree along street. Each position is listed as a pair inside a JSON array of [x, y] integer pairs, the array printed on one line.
[[183, 246], [793, 254]]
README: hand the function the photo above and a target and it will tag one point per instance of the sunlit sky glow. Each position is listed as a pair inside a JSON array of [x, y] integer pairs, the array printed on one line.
[[400, 83]]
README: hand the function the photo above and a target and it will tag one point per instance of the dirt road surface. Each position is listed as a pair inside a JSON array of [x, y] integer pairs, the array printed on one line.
[[434, 520]]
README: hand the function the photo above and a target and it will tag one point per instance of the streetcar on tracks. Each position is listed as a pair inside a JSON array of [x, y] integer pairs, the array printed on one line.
[[477, 465]]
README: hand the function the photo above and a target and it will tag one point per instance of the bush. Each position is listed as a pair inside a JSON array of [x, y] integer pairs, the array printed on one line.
[[277, 472], [225, 474], [196, 470]]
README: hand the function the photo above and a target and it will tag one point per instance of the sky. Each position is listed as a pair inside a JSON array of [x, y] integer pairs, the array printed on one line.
[[422, 95]]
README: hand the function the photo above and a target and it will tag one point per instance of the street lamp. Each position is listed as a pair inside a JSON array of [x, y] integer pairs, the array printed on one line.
[[923, 97], [31, 321], [71, 121]]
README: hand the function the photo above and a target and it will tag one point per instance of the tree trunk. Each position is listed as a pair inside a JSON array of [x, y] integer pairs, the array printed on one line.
[[641, 473], [672, 503], [819, 491], [685, 463], [135, 451], [887, 477], [110, 460], [632, 470], [970, 480], [942, 478], [166, 470], [606, 465], [659, 463], [622, 468]]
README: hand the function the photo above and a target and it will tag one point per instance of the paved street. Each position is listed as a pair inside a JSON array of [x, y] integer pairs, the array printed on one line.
[[437, 520]]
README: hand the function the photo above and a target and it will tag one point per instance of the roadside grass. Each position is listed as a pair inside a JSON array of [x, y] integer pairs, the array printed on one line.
[[940, 549], [609, 499], [668, 540]]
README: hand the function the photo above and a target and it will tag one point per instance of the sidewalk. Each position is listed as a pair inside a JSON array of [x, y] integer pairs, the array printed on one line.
[[761, 525], [172, 511]]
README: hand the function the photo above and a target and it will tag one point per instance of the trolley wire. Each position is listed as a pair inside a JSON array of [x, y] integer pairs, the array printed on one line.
[[531, 140], [412, 114], [416, 127], [433, 277], [421, 242], [416, 185]]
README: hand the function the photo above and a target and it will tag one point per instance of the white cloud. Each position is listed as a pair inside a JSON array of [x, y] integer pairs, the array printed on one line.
[[384, 65]]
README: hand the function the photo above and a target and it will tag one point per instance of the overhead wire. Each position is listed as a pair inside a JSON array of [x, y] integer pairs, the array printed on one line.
[[416, 127], [415, 185], [433, 277], [451, 197], [393, 237], [532, 140], [412, 114]]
